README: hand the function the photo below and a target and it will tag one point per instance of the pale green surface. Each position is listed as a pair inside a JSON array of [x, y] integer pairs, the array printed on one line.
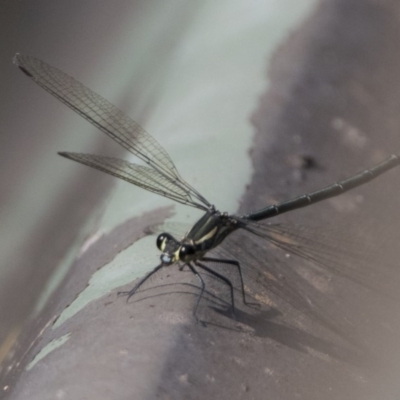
[[63, 267], [190, 72], [210, 86], [125, 267], [53, 345], [203, 98]]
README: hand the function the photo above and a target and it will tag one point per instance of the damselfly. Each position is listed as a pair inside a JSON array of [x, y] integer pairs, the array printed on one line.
[[162, 177]]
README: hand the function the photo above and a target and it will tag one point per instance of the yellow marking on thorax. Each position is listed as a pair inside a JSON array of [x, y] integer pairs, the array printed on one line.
[[176, 255], [208, 236]]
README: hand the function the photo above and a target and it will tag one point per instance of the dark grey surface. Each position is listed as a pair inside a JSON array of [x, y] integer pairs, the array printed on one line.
[[334, 99], [40, 240]]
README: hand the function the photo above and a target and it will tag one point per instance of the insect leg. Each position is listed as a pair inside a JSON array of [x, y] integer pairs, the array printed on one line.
[[237, 265], [131, 292], [201, 291], [222, 278]]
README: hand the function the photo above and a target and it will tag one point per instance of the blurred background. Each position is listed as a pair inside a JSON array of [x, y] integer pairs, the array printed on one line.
[[303, 92], [191, 73]]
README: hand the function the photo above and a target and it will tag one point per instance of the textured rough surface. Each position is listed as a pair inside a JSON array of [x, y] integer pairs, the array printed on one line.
[[332, 110]]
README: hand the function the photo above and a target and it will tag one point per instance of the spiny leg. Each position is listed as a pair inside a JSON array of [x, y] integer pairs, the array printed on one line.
[[201, 291], [236, 264], [224, 279], [131, 292]]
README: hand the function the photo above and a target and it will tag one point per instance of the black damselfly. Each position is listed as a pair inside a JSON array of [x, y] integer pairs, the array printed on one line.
[[162, 177]]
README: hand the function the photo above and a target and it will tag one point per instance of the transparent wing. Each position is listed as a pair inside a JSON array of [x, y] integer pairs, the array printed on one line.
[[105, 116], [368, 264], [139, 175], [306, 269]]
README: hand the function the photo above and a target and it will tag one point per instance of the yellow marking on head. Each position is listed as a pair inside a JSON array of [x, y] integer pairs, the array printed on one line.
[[163, 244]]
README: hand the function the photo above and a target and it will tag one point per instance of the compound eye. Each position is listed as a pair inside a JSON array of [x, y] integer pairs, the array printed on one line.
[[186, 250], [163, 239]]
